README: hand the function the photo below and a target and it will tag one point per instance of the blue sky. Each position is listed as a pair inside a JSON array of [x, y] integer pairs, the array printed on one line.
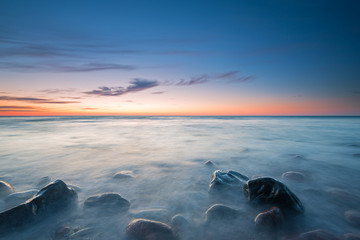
[[209, 52]]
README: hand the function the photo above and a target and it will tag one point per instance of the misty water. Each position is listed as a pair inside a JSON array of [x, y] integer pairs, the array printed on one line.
[[166, 157]]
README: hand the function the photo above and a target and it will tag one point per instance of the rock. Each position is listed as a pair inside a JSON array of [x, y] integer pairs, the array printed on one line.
[[343, 197], [18, 197], [124, 175], [318, 234], [226, 184], [267, 190], [269, 218], [5, 189], [63, 232], [108, 201], [220, 212], [353, 217], [209, 164], [179, 223], [161, 215], [43, 182], [76, 188], [85, 233], [295, 176], [52, 198], [351, 236], [144, 229]]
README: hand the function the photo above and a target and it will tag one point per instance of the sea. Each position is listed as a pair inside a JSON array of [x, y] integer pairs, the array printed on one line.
[[165, 158]]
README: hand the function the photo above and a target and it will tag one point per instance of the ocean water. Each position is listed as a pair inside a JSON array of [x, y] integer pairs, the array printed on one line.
[[166, 156]]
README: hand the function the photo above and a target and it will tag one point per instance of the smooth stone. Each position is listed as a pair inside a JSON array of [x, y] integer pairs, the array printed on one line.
[[351, 236], [54, 197], [209, 164], [270, 218], [318, 234], [43, 182], [267, 190], [353, 217], [161, 215], [63, 232], [295, 176], [343, 197], [144, 229], [85, 233], [21, 196], [5, 189], [221, 212], [107, 201], [225, 183], [123, 175], [179, 223]]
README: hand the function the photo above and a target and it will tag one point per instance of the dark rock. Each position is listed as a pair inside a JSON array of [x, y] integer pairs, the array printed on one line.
[[209, 164], [295, 176], [107, 201], [124, 175], [267, 190], [226, 184], [85, 233], [351, 236], [269, 218], [353, 217], [51, 198], [318, 234], [63, 232], [5, 189], [161, 215], [220, 212], [143, 229], [43, 182], [18, 197], [179, 223]]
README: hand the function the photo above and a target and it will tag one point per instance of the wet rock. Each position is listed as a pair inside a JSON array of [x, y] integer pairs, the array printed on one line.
[[318, 234], [85, 233], [295, 176], [270, 218], [179, 223], [353, 217], [270, 191], [43, 182], [124, 175], [5, 189], [226, 184], [52, 198], [76, 188], [63, 232], [161, 215], [223, 213], [351, 236], [18, 197], [107, 201], [209, 164], [343, 197], [144, 229]]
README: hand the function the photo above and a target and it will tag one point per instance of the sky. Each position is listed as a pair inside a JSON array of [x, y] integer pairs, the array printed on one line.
[[179, 57]]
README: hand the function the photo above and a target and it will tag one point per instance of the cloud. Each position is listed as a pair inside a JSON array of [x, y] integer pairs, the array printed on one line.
[[193, 80], [34, 100], [57, 90], [136, 85], [90, 108], [157, 92], [227, 75], [16, 107]]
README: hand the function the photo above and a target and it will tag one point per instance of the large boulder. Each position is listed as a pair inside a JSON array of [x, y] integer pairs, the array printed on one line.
[[270, 218], [108, 201], [19, 197], [144, 229], [226, 185], [267, 190], [55, 196], [5, 189]]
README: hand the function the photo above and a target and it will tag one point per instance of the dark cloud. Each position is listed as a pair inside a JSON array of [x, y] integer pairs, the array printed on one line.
[[57, 90], [193, 80], [16, 107], [157, 92], [136, 85], [17, 110], [227, 75], [243, 79], [34, 100]]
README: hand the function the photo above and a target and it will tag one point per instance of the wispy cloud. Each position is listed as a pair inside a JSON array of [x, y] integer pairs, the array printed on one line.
[[57, 90], [34, 100], [193, 80], [16, 107], [136, 85], [157, 92]]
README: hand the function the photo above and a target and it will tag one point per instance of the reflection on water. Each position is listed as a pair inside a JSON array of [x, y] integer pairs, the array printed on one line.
[[165, 156]]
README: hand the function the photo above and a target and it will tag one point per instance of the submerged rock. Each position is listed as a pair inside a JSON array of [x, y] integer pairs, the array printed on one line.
[[143, 229], [51, 198], [226, 184], [295, 176], [108, 201], [351, 236], [124, 175], [353, 217], [209, 164], [318, 234], [343, 197], [220, 212], [269, 218], [179, 223], [5, 189], [43, 182], [161, 215], [267, 190], [63, 232], [20, 196]]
